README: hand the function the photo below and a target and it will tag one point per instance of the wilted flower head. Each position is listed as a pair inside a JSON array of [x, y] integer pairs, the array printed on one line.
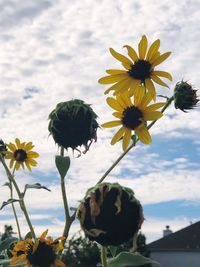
[[185, 97], [110, 214], [72, 124], [3, 148], [43, 252]]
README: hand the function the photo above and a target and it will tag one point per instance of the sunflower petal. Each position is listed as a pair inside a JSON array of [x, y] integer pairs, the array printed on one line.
[[12, 147], [133, 86], [113, 78], [126, 99], [28, 146], [9, 155], [153, 49], [111, 124], [118, 135], [32, 162], [145, 101], [27, 165], [44, 234], [119, 86], [114, 72], [151, 88], [142, 47], [113, 103], [163, 74], [123, 86], [120, 57], [131, 52], [11, 163], [160, 59], [143, 134], [126, 138], [17, 165], [152, 115], [32, 154], [139, 94], [59, 263], [117, 115], [18, 143], [158, 80], [155, 106]]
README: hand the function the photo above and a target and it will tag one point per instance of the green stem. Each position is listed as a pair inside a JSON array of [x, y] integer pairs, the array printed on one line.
[[104, 257], [68, 219], [133, 145], [20, 195], [14, 212]]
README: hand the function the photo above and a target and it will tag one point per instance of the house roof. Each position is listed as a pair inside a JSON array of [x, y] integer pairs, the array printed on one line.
[[185, 239]]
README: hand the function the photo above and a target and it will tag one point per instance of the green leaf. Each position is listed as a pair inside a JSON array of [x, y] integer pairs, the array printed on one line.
[[113, 250], [5, 244], [126, 259], [62, 164], [36, 186], [9, 201]]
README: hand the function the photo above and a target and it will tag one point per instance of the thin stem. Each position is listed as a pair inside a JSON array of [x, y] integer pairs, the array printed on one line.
[[14, 211], [104, 257], [20, 195], [68, 219], [133, 145]]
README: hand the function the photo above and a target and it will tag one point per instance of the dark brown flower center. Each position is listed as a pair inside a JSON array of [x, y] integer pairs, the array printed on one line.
[[44, 256], [132, 117], [20, 155], [140, 70]]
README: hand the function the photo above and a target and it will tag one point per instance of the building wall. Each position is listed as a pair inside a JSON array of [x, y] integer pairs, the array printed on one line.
[[176, 259]]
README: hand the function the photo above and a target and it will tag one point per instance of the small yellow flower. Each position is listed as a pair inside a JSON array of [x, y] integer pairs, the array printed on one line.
[[43, 252], [132, 116], [21, 153], [139, 70]]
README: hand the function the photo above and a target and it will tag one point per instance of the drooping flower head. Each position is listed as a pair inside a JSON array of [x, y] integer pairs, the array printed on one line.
[[21, 154], [185, 97], [110, 214], [43, 252], [72, 124], [132, 116], [140, 70]]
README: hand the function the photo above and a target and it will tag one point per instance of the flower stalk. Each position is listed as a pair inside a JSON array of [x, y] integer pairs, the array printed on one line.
[[20, 195], [103, 256]]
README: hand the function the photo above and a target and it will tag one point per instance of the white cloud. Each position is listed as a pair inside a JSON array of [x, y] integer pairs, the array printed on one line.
[[52, 51]]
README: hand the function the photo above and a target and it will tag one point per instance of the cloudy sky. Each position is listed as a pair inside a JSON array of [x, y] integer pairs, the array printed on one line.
[[53, 51]]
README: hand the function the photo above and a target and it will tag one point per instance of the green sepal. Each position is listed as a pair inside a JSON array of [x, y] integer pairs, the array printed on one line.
[[28, 236], [62, 164], [113, 250], [129, 259], [5, 244]]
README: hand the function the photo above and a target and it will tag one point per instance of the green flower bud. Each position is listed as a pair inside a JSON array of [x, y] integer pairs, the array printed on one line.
[[3, 148], [185, 96], [72, 124], [110, 214]]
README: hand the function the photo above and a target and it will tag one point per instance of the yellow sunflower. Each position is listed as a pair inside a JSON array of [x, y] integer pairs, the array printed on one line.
[[43, 252], [139, 70], [21, 153], [132, 116]]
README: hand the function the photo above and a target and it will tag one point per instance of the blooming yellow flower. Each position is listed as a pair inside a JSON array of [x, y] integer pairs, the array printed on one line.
[[139, 70], [43, 252], [132, 116], [21, 153]]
